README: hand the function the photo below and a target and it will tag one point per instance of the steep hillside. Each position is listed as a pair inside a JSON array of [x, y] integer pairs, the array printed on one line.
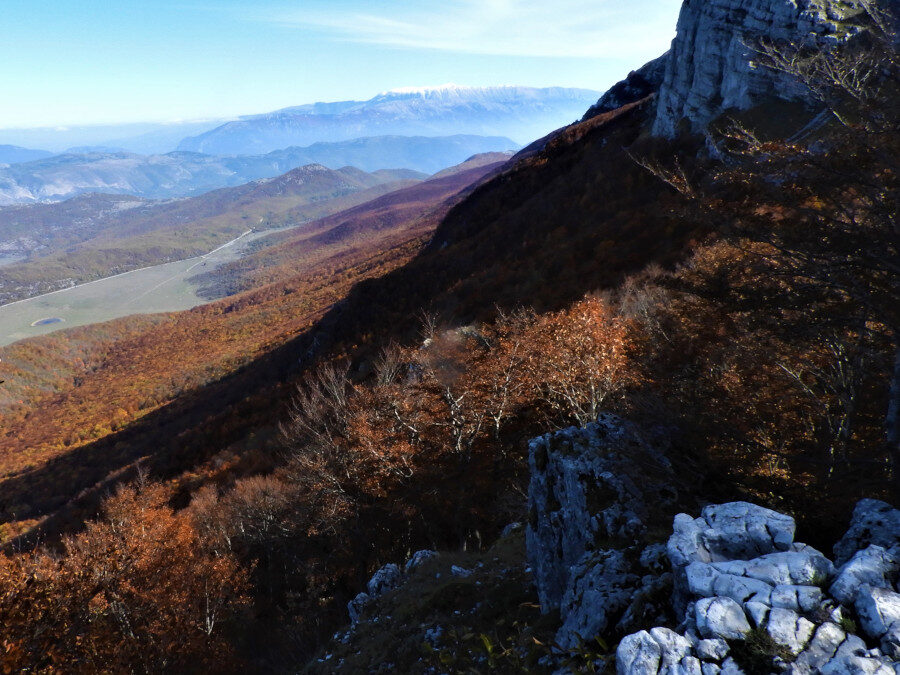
[[207, 379], [520, 113]]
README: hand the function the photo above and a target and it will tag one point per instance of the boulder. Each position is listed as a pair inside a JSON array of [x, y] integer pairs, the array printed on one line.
[[873, 566], [674, 648], [873, 522], [385, 579], [879, 616], [856, 665], [638, 654], [789, 629], [723, 533], [721, 617], [356, 606], [418, 559], [712, 649]]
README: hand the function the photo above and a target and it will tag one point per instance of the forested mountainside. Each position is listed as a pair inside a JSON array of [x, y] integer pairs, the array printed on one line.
[[707, 290]]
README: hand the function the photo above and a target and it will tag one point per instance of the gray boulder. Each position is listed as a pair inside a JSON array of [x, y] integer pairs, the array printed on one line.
[[724, 533], [638, 654], [873, 566], [879, 616], [789, 629], [712, 649], [356, 606], [418, 559], [828, 643], [386, 579], [873, 522], [856, 665], [721, 618], [732, 531]]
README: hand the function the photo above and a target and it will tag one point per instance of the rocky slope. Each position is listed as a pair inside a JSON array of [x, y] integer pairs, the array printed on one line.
[[729, 592]]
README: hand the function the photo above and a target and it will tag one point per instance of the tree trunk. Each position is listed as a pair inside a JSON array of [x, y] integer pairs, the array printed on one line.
[[892, 421]]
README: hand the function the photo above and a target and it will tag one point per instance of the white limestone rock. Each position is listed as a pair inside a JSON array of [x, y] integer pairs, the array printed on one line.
[[820, 650], [878, 610], [758, 611], [789, 629], [600, 588], [879, 616], [581, 493], [385, 579], [721, 617], [673, 647], [356, 606], [711, 65], [638, 654], [873, 566], [856, 665], [730, 667], [873, 522], [712, 649]]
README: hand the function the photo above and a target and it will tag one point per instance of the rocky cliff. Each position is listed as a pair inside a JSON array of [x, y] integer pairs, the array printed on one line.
[[710, 67], [727, 593]]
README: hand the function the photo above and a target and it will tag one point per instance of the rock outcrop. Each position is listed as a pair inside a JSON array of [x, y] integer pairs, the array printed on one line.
[[639, 84], [730, 589], [588, 506], [711, 66]]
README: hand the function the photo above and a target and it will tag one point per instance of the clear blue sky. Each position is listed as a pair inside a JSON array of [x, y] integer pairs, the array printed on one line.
[[65, 62]]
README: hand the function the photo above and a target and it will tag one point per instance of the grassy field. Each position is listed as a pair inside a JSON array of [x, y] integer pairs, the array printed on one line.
[[161, 288]]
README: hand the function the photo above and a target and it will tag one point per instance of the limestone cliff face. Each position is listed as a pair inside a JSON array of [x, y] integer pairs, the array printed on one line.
[[710, 66]]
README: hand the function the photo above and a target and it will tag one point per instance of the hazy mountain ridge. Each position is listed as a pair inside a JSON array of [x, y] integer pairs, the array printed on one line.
[[14, 154], [180, 173], [96, 235], [521, 113]]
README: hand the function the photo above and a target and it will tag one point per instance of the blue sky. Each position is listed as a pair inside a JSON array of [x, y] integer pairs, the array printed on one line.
[[67, 62]]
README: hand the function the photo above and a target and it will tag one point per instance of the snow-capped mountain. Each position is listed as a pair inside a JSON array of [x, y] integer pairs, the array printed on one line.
[[520, 113]]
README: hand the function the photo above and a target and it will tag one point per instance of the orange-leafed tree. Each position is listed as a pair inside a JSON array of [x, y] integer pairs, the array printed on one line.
[[136, 591]]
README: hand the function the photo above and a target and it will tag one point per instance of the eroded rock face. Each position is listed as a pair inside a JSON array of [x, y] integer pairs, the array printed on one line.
[[711, 69], [582, 496]]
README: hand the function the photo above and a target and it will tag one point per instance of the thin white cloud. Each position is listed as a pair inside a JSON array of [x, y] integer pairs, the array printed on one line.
[[554, 28]]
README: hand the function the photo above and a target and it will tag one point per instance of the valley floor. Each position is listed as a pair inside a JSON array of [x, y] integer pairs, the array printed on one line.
[[160, 288]]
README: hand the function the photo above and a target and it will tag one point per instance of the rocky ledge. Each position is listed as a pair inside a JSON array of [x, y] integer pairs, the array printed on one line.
[[724, 592], [730, 591]]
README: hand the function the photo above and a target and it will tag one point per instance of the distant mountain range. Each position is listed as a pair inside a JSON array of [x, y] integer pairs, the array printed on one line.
[[520, 113], [179, 174], [95, 235], [13, 154]]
